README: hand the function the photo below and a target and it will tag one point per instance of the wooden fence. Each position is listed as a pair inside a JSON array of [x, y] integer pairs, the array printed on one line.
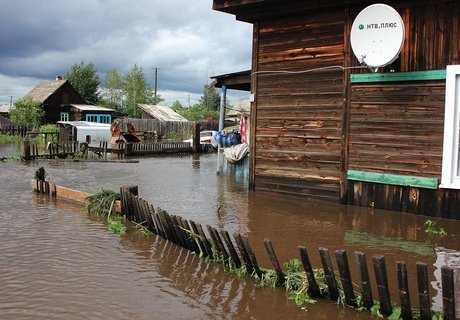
[[238, 253], [14, 130], [52, 150], [181, 231], [167, 129]]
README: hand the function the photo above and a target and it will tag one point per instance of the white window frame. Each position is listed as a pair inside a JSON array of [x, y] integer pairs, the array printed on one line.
[[450, 177]]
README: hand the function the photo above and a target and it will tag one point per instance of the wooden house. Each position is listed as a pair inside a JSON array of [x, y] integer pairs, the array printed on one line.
[[326, 128], [53, 95]]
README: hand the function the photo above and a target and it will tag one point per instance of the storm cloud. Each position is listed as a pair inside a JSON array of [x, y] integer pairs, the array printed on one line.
[[186, 40]]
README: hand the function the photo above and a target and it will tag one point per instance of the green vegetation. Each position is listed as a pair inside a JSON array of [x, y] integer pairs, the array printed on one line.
[[101, 202], [432, 229], [6, 138], [116, 225], [27, 112], [83, 77]]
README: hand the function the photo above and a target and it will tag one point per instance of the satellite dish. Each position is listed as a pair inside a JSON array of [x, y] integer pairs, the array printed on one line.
[[377, 35]]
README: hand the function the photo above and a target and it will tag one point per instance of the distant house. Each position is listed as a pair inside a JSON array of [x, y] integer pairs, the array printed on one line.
[[4, 122], [86, 112], [61, 102], [5, 110], [160, 113], [53, 95], [242, 106]]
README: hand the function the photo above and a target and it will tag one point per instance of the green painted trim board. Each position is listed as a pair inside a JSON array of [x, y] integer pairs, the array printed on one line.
[[399, 76], [394, 179]]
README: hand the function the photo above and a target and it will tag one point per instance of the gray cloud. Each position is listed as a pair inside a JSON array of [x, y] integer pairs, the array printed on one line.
[[186, 40]]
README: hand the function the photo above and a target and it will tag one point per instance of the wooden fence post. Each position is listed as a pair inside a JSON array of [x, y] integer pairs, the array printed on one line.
[[382, 284], [345, 277], [366, 291], [404, 297], [275, 262], [329, 274], [313, 287], [448, 293], [423, 291]]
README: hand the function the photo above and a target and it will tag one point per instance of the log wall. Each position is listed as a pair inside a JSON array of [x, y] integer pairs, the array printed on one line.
[[298, 130]]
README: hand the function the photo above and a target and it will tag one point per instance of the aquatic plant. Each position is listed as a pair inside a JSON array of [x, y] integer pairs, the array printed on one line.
[[117, 226], [101, 202], [11, 158], [432, 229], [142, 229]]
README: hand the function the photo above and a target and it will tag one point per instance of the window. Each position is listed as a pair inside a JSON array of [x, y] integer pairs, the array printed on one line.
[[64, 116], [101, 118], [450, 177]]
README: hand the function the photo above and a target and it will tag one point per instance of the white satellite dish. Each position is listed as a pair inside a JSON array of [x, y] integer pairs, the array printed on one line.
[[377, 35]]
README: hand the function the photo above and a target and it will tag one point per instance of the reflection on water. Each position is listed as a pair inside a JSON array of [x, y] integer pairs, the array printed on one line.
[[58, 262]]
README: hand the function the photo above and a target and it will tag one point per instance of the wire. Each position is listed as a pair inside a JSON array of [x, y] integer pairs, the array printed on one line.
[[308, 70]]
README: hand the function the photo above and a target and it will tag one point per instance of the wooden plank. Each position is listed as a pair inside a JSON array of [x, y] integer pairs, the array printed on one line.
[[403, 286], [333, 291], [366, 291], [423, 291], [393, 179], [345, 277], [275, 263], [399, 76], [448, 292], [382, 284], [313, 287]]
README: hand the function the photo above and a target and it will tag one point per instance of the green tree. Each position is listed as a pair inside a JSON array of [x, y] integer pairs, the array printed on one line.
[[113, 90], [197, 112], [27, 112], [84, 79], [136, 91], [177, 106], [210, 98]]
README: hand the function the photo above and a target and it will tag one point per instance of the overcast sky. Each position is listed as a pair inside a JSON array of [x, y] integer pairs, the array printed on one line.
[[185, 39]]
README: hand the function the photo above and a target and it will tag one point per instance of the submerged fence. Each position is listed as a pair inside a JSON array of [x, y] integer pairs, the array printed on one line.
[[218, 245], [14, 130]]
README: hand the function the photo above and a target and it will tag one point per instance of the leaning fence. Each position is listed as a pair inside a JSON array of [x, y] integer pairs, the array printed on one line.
[[213, 243]]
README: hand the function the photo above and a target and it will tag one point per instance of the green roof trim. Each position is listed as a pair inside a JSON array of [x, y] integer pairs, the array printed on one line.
[[394, 179], [399, 76]]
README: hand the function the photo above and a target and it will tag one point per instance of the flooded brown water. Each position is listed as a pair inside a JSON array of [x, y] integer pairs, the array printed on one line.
[[59, 263]]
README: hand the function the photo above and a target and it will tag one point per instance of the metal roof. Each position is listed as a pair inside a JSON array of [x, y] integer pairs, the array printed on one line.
[[88, 107], [80, 124], [162, 113]]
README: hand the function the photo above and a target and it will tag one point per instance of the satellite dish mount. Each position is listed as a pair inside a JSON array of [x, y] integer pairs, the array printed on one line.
[[377, 36]]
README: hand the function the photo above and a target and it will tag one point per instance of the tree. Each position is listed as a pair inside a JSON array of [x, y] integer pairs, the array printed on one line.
[[136, 91], [177, 106], [197, 112], [113, 90], [210, 98], [27, 112], [84, 79]]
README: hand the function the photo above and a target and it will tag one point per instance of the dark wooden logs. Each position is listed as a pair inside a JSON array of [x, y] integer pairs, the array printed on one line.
[[252, 256], [448, 292], [403, 286], [423, 291], [329, 274], [345, 277], [366, 291], [275, 263], [382, 284], [231, 248], [243, 253], [313, 288]]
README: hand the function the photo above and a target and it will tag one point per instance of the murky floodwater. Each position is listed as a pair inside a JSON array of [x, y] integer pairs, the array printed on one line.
[[59, 263]]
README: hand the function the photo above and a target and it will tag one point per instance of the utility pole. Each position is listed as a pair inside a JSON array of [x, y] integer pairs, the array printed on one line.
[[11, 101], [155, 83]]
